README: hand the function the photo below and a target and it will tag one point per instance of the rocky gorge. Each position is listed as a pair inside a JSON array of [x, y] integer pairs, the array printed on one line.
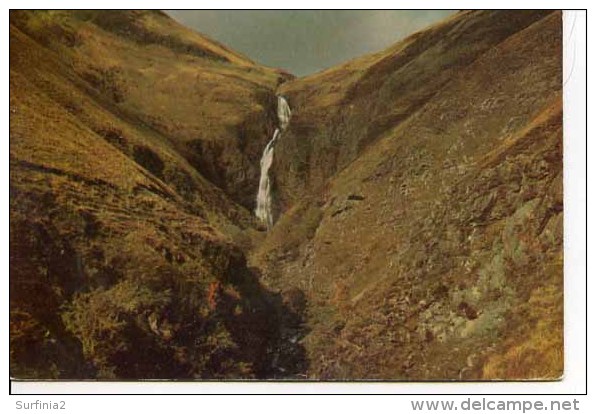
[[416, 204]]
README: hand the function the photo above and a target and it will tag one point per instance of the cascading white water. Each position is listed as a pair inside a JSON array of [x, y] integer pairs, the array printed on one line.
[[263, 210], [264, 201], [283, 112]]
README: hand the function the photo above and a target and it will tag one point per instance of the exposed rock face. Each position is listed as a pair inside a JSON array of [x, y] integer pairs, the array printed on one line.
[[343, 110], [454, 245]]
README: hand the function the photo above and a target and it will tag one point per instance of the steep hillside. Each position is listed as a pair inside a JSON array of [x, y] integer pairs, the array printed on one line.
[[423, 188], [123, 263], [214, 106], [340, 111]]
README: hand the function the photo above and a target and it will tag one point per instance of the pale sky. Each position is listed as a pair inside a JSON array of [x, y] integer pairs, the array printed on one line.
[[306, 41]]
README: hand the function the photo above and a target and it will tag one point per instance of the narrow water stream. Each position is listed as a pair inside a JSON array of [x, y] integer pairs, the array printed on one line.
[[264, 197]]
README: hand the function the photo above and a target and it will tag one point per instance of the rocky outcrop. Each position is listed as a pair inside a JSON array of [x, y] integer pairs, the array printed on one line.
[[454, 243], [341, 111]]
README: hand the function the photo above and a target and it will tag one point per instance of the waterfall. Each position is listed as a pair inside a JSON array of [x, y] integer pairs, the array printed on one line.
[[283, 113], [264, 201]]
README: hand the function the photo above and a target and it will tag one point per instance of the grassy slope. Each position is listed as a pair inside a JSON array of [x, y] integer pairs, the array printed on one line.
[[122, 264], [214, 106], [339, 112], [453, 243]]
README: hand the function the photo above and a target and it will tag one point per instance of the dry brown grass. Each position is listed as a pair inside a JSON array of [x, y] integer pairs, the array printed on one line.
[[115, 235], [537, 352]]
